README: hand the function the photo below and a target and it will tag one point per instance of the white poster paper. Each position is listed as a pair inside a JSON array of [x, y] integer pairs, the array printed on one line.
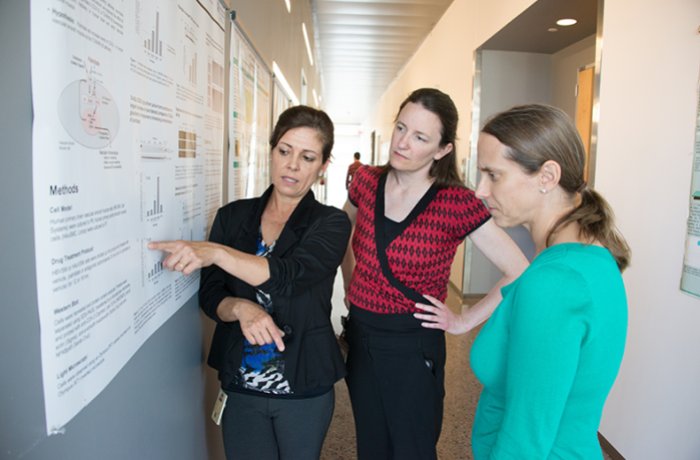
[[690, 278], [127, 148]]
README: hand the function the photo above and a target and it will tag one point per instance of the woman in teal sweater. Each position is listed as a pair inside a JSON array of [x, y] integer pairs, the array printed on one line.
[[550, 352]]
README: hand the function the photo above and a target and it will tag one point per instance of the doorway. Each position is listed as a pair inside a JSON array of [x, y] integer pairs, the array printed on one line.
[[584, 110], [529, 62]]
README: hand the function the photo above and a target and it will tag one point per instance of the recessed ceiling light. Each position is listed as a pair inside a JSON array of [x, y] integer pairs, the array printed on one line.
[[552, 29], [566, 22]]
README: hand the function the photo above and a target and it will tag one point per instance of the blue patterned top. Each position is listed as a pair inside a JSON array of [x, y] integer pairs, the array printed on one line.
[[262, 367]]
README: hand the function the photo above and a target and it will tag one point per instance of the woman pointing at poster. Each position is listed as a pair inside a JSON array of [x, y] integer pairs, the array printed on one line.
[[267, 280]]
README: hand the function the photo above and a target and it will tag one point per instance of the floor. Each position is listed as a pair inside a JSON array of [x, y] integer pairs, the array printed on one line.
[[462, 394]]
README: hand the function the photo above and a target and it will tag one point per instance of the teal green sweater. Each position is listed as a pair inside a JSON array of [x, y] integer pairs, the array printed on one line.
[[548, 357]]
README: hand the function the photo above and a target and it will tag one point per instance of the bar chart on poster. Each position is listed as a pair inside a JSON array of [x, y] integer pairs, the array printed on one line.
[[127, 148]]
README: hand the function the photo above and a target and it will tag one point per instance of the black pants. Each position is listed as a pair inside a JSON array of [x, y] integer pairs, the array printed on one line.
[[260, 428], [396, 384]]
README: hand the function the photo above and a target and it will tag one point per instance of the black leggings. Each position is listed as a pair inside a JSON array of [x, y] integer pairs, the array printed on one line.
[[396, 384]]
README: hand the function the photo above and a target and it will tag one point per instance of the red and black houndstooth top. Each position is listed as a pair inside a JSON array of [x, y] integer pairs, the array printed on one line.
[[420, 257]]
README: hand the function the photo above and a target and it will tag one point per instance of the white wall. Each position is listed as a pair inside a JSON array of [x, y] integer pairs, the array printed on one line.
[[438, 63], [649, 78]]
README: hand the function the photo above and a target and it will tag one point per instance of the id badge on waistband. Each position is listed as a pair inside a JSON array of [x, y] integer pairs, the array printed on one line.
[[219, 406]]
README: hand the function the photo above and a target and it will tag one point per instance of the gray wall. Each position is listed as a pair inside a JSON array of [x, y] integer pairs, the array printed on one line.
[[565, 66], [509, 78], [154, 408]]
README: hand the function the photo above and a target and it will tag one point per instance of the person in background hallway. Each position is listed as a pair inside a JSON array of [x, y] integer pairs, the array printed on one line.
[[352, 169], [551, 351], [270, 265], [410, 215]]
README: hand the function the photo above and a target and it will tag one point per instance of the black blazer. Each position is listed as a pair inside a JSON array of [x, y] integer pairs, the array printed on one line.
[[302, 269]]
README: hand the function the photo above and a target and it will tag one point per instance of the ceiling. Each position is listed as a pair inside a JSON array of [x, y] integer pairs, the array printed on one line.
[[363, 44], [529, 31]]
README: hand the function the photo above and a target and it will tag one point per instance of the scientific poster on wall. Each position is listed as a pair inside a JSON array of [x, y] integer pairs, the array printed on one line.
[[263, 107], [217, 11], [249, 122], [280, 100], [690, 279], [128, 104]]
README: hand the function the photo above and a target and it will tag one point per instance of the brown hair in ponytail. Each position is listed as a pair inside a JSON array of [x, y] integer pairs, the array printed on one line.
[[536, 133]]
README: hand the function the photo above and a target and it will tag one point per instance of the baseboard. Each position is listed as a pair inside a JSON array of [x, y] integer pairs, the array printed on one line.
[[453, 287], [471, 297], [609, 449], [466, 298]]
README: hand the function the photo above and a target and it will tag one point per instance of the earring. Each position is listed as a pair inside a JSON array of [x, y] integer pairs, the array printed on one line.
[[543, 190]]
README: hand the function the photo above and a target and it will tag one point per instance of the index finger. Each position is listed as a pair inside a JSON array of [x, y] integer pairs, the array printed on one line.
[[432, 300], [167, 246], [277, 334]]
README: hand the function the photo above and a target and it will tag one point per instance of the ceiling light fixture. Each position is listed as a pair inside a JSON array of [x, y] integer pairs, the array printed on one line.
[[566, 22], [308, 45], [277, 72], [289, 5]]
